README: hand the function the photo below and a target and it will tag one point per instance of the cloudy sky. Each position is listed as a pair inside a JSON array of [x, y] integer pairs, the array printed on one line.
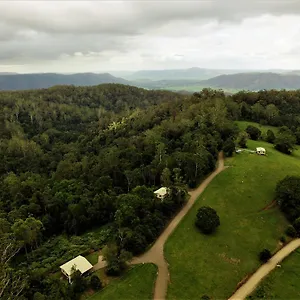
[[97, 36]]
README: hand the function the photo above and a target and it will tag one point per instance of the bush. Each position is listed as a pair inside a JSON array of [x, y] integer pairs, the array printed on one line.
[[291, 231], [288, 196], [228, 147], [253, 132], [39, 296], [113, 269], [79, 283], [285, 142], [283, 239], [270, 138], [296, 225], [265, 255], [242, 139], [95, 283], [207, 220]]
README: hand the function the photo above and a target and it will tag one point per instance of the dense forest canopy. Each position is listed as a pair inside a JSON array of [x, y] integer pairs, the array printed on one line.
[[76, 158], [73, 158]]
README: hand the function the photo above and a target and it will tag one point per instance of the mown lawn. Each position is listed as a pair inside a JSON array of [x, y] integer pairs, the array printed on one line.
[[136, 284], [282, 283], [214, 265]]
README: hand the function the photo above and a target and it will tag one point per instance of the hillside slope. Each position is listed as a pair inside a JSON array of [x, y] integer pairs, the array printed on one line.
[[179, 74], [254, 81], [45, 80]]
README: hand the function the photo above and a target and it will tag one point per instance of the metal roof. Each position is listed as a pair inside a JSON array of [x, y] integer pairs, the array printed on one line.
[[162, 191], [80, 263]]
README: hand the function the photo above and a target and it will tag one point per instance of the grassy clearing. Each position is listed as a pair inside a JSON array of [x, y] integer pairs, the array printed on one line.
[[263, 128], [194, 88], [282, 283], [93, 257], [136, 284], [214, 265]]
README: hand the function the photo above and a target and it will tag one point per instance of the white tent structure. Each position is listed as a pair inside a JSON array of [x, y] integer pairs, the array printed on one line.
[[161, 193], [79, 263]]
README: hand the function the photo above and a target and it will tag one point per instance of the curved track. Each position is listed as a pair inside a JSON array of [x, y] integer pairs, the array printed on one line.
[[156, 253], [247, 288]]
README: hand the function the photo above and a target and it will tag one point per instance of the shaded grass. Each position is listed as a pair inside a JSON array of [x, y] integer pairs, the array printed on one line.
[[282, 283], [93, 257], [214, 265], [136, 284]]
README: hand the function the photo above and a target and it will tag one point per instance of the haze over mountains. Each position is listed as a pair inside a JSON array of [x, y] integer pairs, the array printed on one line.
[[192, 79]]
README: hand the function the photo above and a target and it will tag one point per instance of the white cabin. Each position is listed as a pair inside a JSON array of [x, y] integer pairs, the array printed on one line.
[[261, 151], [80, 263], [161, 193]]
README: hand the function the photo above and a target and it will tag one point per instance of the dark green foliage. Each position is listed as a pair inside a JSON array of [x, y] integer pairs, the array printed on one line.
[[116, 259], [296, 225], [79, 283], [297, 135], [39, 296], [205, 297], [285, 142], [228, 147], [95, 283], [242, 139], [270, 138], [254, 132], [291, 231], [207, 220], [268, 107], [265, 255], [283, 239], [73, 159], [288, 196]]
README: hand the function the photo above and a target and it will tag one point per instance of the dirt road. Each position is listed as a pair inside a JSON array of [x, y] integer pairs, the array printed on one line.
[[156, 252], [250, 285]]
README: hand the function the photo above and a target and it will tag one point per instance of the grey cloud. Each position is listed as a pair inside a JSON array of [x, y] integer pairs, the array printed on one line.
[[129, 17], [48, 30]]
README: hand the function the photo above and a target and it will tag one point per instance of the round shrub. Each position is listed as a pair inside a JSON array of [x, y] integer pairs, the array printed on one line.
[[291, 231], [283, 239], [265, 255], [95, 283], [207, 219]]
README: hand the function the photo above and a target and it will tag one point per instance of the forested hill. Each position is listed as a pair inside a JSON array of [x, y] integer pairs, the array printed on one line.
[[76, 158], [254, 81], [177, 78], [45, 80]]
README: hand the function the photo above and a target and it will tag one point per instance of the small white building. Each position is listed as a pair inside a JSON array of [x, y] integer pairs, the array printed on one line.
[[80, 263], [261, 151], [161, 193]]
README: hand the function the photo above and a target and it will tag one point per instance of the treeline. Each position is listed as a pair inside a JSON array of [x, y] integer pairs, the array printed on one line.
[[273, 107], [72, 159]]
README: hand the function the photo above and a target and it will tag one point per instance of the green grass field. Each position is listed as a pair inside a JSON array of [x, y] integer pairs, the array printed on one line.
[[136, 284], [214, 265], [195, 88], [282, 283], [263, 128]]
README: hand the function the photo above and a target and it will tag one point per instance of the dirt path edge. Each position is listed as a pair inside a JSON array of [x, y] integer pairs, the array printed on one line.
[[156, 253]]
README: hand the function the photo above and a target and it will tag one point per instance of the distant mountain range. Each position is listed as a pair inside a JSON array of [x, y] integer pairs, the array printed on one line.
[[229, 82], [178, 74], [45, 80], [254, 81]]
